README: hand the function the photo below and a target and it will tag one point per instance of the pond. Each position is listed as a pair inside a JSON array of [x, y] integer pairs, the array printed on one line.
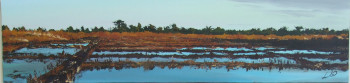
[[47, 51], [216, 51], [282, 60], [71, 44], [17, 71], [240, 59], [190, 74]]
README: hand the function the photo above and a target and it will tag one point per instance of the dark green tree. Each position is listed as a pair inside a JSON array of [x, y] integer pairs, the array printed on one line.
[[70, 29], [5, 27], [282, 31], [218, 31]]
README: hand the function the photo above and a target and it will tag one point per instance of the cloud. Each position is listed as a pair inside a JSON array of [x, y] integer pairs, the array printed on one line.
[[308, 4], [301, 8]]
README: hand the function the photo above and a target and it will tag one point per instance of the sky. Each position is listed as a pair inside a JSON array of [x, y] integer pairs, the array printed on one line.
[[228, 14]]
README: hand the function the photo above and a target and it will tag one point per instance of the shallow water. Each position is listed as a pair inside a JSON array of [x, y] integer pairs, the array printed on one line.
[[70, 44], [327, 60], [48, 51], [205, 51], [159, 59], [250, 53], [148, 53], [190, 74], [301, 52], [218, 48], [24, 68], [185, 73]]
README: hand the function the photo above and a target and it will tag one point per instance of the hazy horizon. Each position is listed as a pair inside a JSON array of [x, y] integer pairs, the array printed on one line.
[[228, 14]]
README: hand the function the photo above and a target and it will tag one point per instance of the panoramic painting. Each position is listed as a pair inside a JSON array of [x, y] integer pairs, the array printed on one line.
[[79, 41]]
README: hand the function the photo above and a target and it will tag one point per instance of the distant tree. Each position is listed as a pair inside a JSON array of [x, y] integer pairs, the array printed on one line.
[[183, 30], [118, 23], [159, 29], [101, 29], [152, 28], [231, 32], [139, 27], [325, 31], [269, 31], [5, 27], [15, 29], [76, 30], [82, 29], [87, 30], [218, 31], [297, 31], [191, 30], [282, 31], [133, 28], [22, 28], [167, 29], [52, 30], [70, 29], [207, 30], [174, 28], [298, 28], [121, 26], [41, 29], [95, 29]]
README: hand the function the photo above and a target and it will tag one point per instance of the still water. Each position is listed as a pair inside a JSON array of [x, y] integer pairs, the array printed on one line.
[[18, 70], [190, 74], [224, 51]]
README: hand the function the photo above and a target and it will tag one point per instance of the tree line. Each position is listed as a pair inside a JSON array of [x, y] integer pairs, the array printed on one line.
[[121, 26]]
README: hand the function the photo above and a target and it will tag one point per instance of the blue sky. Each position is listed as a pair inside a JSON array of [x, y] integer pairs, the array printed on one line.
[[229, 14]]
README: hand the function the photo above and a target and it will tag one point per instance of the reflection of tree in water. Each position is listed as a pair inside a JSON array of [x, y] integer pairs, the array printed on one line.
[[150, 65], [31, 77]]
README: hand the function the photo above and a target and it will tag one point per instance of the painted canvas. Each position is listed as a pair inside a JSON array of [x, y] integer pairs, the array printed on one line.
[[80, 41]]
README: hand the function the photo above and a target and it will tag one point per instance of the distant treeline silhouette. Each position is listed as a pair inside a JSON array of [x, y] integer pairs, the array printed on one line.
[[121, 26]]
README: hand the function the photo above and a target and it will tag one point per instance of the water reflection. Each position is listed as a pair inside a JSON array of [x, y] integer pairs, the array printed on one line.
[[194, 74], [48, 51], [71, 44], [16, 70], [282, 60], [301, 52], [214, 51]]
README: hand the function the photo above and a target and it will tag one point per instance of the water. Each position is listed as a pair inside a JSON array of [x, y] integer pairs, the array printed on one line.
[[206, 51], [149, 53], [190, 74], [218, 48], [327, 60], [282, 60], [301, 52], [48, 51], [250, 53], [71, 44], [24, 68], [18, 70]]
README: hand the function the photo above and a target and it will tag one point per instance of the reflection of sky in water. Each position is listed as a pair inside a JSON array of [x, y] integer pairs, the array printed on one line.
[[250, 53], [301, 52], [25, 68], [188, 74], [263, 48], [217, 53], [159, 59], [327, 60], [218, 48], [266, 60], [149, 53], [48, 51], [70, 44]]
